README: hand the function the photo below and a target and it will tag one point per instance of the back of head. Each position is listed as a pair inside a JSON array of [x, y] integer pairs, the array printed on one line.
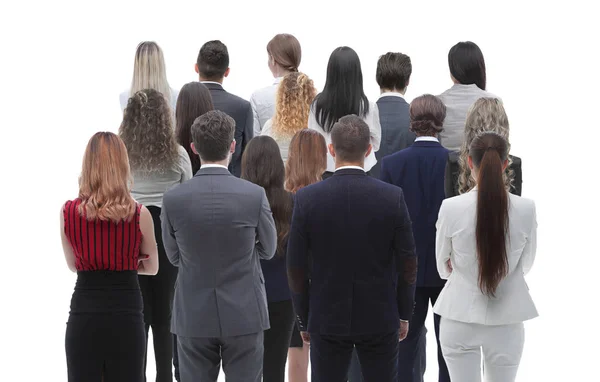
[[147, 130], [393, 71], [467, 65], [427, 114], [212, 135], [485, 115], [343, 93], [104, 184], [194, 100], [489, 152], [285, 51], [350, 138], [292, 104], [213, 60], [149, 70], [307, 160]]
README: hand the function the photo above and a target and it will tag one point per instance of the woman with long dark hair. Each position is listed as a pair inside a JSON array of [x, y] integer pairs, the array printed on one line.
[[108, 239], [158, 163], [194, 100], [485, 244], [343, 95], [262, 165]]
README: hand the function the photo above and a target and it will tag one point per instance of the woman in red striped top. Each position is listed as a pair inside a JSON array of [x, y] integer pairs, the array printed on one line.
[[103, 232]]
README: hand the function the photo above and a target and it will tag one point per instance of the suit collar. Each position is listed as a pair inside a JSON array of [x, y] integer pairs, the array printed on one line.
[[212, 171], [213, 85], [349, 171], [426, 144]]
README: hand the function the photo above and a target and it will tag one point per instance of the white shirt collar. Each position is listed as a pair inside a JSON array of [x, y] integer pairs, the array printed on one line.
[[213, 166], [277, 80], [427, 139], [350, 167], [212, 82], [393, 94]]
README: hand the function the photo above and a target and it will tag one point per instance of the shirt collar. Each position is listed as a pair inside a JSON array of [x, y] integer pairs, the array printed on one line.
[[350, 168], [427, 139], [212, 82], [213, 166], [391, 94]]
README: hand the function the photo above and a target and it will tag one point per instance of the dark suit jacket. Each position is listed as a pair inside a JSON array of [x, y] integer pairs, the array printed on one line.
[[395, 133], [453, 171], [363, 264], [240, 110], [419, 171]]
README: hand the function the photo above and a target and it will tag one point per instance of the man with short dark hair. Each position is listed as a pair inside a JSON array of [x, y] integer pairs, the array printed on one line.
[[212, 67], [357, 232], [216, 228], [393, 76]]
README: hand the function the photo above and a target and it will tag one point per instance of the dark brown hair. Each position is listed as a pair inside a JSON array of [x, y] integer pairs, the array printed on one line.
[[212, 134], [213, 60], [194, 100], [489, 151], [307, 160], [467, 64], [262, 165], [285, 51], [427, 114], [393, 71], [350, 137]]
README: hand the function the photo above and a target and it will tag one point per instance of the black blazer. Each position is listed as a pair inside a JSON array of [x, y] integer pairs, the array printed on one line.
[[240, 110], [362, 264], [453, 171]]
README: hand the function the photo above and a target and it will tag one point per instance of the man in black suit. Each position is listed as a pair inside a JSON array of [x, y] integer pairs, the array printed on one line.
[[357, 232], [213, 66]]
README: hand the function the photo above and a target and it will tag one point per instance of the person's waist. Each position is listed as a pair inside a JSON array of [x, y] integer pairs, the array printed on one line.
[[107, 279]]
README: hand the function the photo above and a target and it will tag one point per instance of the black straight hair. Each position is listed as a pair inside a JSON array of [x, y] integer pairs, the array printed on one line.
[[343, 93], [467, 65]]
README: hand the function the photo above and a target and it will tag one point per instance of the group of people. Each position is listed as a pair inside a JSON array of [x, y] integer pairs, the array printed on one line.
[[300, 224]]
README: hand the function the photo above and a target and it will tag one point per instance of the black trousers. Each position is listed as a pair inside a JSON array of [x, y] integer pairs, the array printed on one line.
[[157, 293], [378, 354], [408, 349], [277, 340]]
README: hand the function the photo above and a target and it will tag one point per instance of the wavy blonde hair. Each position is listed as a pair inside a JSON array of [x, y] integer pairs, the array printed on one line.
[[105, 181], [485, 115], [292, 104], [149, 70], [148, 133]]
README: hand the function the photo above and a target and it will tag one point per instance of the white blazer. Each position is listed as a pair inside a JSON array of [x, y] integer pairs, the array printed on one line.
[[371, 118], [461, 299]]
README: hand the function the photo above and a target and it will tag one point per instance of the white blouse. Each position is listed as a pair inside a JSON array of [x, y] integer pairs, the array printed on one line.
[[263, 105], [282, 142]]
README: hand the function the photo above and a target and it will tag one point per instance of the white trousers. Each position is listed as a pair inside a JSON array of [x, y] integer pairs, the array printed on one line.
[[463, 345]]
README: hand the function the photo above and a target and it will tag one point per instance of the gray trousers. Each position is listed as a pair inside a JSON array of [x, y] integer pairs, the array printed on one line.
[[200, 358]]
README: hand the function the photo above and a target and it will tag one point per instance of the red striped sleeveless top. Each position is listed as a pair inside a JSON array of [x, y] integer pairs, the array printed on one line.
[[101, 244]]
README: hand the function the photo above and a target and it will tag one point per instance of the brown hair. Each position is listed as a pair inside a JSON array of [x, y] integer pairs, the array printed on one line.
[[427, 114], [262, 165], [489, 151], [292, 104], [307, 160], [393, 71], [350, 137], [285, 51], [212, 134], [104, 184]]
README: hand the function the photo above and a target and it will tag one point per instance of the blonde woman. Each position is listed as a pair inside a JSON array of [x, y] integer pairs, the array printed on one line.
[[486, 115], [292, 107], [149, 72], [108, 239], [158, 163]]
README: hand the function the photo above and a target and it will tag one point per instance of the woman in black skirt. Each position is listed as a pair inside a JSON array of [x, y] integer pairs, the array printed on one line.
[[103, 232]]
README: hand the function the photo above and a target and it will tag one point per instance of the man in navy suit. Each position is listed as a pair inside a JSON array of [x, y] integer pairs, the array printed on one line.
[[357, 233], [213, 66], [419, 170]]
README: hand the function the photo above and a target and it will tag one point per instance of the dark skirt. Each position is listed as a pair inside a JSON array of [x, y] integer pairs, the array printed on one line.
[[105, 335]]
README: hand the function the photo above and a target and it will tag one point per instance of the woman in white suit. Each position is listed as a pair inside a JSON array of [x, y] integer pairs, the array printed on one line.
[[485, 244]]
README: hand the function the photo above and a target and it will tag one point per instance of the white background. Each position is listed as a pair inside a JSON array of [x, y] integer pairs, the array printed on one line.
[[64, 64]]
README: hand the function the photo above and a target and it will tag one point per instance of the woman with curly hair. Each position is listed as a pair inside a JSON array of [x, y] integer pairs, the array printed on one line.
[[158, 163], [292, 106]]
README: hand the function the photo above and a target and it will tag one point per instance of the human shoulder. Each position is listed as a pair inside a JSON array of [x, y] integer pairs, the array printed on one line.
[[239, 101], [267, 128]]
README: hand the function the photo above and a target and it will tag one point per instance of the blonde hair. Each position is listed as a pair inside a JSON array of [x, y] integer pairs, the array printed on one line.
[[149, 70], [292, 104], [485, 115], [105, 181]]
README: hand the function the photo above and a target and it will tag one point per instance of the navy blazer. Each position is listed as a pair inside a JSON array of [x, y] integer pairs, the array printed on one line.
[[357, 232], [240, 110], [419, 170], [395, 133]]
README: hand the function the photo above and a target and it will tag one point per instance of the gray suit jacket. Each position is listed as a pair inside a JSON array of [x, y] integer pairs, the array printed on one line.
[[216, 228]]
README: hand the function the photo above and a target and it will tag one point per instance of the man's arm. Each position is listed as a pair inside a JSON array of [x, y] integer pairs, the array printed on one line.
[[168, 236], [266, 233], [297, 265], [248, 133], [406, 261], [385, 175]]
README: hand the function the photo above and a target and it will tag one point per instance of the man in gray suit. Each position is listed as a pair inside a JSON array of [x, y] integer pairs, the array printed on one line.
[[216, 228]]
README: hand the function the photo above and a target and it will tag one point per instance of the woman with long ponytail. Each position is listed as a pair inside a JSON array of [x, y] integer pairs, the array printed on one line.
[[485, 244]]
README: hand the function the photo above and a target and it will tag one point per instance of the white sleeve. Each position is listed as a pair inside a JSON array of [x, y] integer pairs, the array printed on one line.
[[443, 244], [528, 255], [375, 127]]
